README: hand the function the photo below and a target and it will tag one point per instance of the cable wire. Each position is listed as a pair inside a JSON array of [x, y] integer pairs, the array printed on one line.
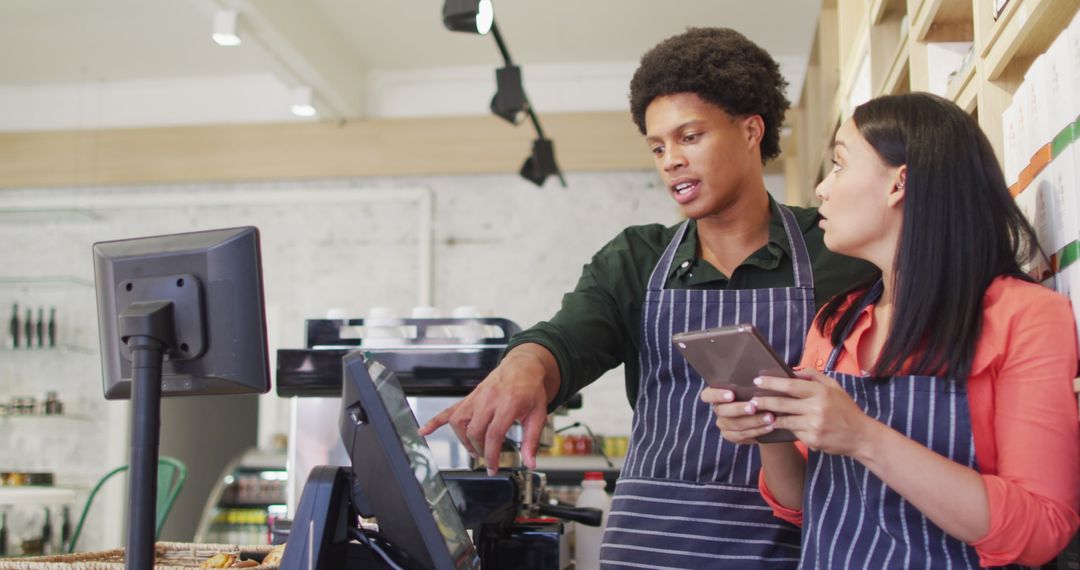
[[598, 449], [362, 536]]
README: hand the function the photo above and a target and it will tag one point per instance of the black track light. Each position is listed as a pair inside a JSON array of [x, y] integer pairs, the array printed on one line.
[[541, 163], [509, 101], [472, 16]]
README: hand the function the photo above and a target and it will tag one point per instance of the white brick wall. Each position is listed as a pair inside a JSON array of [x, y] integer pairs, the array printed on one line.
[[499, 243]]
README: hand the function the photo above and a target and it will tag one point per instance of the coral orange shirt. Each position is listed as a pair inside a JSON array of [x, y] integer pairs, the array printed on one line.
[[1023, 415]]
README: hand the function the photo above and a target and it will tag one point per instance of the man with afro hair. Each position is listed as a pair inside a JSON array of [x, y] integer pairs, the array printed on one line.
[[710, 104]]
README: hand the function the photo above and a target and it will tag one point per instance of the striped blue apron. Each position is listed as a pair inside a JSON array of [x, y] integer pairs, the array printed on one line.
[[686, 498], [851, 518]]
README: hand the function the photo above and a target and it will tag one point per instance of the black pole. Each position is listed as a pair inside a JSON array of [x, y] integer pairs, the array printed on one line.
[[502, 45], [528, 104], [146, 355]]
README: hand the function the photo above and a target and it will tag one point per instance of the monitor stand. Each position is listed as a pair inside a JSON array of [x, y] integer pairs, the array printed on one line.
[[147, 328], [321, 537], [323, 530]]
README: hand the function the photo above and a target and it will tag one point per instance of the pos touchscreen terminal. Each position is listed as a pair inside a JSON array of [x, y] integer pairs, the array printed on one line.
[[393, 477]]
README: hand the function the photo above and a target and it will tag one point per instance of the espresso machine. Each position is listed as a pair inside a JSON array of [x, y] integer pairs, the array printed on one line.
[[510, 519]]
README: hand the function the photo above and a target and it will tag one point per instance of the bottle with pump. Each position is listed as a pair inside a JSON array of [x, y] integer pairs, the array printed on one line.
[[431, 332], [588, 538], [382, 329], [469, 332]]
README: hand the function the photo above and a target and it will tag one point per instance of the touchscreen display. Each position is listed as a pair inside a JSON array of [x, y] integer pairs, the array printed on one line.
[[423, 466]]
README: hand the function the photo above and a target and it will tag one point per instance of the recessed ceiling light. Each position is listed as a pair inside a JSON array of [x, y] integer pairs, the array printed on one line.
[[302, 105], [225, 28]]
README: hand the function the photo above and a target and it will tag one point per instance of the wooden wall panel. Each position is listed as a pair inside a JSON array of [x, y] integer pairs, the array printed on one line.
[[378, 147]]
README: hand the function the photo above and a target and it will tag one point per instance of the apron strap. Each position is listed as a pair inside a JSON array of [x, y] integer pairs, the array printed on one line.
[[870, 297], [800, 258], [663, 267]]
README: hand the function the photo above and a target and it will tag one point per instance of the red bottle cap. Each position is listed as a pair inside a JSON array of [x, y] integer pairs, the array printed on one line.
[[594, 476]]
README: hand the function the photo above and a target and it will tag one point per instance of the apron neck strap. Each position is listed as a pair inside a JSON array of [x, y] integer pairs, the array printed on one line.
[[871, 296], [800, 258], [663, 267]]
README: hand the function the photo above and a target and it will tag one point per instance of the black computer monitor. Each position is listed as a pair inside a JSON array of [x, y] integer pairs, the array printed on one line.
[[214, 280], [178, 314], [394, 467]]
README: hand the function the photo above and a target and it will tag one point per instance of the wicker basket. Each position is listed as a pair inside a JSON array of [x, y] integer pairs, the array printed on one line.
[[169, 556]]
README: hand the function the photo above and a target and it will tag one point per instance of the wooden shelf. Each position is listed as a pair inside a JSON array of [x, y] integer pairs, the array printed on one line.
[[879, 9], [420, 146], [930, 15], [58, 281], [850, 71], [1024, 30], [900, 51], [836, 113], [851, 65], [43, 216], [965, 89], [46, 350], [889, 48], [45, 417], [36, 496], [852, 41], [900, 63], [576, 462]]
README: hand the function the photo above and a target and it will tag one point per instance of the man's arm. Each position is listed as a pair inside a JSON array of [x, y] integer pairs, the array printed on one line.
[[518, 389], [553, 360]]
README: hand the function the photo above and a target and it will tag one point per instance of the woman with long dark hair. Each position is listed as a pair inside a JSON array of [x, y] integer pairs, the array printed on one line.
[[935, 400]]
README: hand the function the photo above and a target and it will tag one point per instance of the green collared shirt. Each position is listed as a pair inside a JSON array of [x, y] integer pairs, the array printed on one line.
[[598, 326]]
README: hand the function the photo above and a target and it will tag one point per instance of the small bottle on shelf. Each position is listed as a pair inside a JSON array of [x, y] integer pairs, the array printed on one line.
[[65, 528], [39, 327], [52, 327], [28, 329], [568, 445], [13, 326], [47, 534], [3, 534], [53, 405], [583, 445]]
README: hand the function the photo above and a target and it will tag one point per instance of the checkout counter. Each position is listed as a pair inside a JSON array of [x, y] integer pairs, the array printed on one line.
[[509, 516]]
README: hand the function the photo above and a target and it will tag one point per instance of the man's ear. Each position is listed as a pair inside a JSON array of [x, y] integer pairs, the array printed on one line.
[[754, 128], [899, 188]]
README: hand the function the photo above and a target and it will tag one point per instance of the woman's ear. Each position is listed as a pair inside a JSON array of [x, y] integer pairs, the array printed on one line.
[[896, 194]]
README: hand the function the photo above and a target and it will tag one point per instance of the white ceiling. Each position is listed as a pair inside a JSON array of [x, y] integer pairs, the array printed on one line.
[[101, 63]]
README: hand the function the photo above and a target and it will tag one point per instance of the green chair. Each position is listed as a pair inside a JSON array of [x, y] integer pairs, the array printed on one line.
[[171, 476]]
